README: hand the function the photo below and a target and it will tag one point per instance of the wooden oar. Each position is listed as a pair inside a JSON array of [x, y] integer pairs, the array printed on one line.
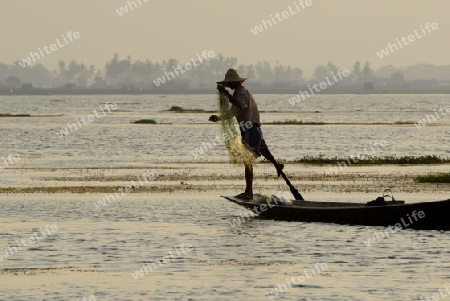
[[294, 191], [279, 167]]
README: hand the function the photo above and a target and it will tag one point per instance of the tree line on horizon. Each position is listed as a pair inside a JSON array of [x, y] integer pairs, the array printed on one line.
[[120, 72]]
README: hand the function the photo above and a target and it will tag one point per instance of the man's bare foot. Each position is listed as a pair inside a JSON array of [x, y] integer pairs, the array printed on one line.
[[245, 196]]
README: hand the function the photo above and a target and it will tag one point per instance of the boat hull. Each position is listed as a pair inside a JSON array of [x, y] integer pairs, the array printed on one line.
[[424, 215]]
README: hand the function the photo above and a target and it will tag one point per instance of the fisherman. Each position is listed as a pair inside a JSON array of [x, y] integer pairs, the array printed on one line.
[[245, 110]]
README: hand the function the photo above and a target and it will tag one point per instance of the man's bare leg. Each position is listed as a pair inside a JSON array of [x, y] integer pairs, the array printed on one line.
[[268, 155], [248, 193]]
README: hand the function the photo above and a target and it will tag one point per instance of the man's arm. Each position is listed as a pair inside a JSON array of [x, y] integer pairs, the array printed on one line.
[[231, 98], [228, 95], [226, 116], [230, 113]]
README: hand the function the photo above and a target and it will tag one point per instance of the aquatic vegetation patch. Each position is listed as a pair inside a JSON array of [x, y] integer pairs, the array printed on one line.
[[145, 121], [433, 178], [295, 121], [369, 160], [178, 109], [14, 115]]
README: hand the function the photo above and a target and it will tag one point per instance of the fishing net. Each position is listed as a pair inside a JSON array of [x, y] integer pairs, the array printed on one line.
[[238, 152]]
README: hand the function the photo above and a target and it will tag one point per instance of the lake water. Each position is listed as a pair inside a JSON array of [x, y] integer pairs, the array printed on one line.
[[112, 140], [96, 250]]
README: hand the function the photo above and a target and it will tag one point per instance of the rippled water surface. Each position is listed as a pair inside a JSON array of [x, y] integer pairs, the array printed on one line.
[[112, 140], [95, 250]]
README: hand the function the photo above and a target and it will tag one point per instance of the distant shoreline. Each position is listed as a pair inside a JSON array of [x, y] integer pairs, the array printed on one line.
[[38, 91]]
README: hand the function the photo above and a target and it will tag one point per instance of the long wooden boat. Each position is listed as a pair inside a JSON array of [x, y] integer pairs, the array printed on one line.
[[424, 215]]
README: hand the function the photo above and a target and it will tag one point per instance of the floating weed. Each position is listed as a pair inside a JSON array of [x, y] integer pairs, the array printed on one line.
[[294, 122], [369, 160], [404, 122], [178, 109], [145, 121], [433, 178], [14, 115]]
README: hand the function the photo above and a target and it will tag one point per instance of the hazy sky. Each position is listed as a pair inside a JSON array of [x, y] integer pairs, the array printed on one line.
[[329, 30]]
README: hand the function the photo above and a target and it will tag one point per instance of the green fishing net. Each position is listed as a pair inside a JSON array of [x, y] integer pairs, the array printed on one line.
[[238, 152]]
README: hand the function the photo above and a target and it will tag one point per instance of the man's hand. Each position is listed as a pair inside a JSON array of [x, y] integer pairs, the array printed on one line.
[[221, 89], [214, 118]]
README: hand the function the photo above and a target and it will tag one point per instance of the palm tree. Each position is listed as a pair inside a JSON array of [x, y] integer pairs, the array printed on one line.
[[367, 72], [320, 73], [357, 71]]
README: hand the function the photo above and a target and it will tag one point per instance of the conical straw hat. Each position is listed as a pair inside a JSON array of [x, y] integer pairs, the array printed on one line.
[[232, 76]]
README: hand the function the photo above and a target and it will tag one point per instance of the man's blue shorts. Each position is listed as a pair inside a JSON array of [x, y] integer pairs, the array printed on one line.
[[253, 137]]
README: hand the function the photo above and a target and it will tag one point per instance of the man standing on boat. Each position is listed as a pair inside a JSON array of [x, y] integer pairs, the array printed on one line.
[[245, 110]]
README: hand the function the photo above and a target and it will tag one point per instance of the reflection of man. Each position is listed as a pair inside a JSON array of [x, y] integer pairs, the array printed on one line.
[[246, 112]]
